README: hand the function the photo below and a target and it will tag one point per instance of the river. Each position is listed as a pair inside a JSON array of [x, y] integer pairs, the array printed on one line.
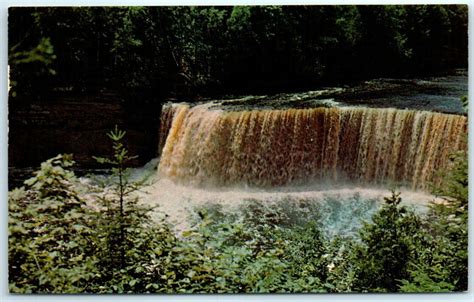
[[318, 146]]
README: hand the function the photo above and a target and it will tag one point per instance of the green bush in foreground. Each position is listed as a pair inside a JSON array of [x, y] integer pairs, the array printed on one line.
[[388, 246], [50, 234], [130, 246], [443, 261]]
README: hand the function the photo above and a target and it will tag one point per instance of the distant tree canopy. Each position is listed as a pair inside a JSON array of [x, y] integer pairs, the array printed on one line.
[[185, 51]]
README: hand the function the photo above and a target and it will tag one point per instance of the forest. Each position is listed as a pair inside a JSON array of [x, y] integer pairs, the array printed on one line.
[[238, 196], [153, 53]]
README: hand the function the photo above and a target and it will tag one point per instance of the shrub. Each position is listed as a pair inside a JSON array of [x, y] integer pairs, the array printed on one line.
[[443, 263], [49, 233], [275, 254], [388, 245], [130, 244]]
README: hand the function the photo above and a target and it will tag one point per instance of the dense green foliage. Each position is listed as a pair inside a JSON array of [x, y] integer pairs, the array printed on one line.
[[389, 243], [155, 52], [68, 237], [445, 261], [124, 233], [50, 233]]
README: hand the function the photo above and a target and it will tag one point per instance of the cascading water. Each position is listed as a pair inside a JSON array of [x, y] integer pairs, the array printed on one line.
[[267, 148]]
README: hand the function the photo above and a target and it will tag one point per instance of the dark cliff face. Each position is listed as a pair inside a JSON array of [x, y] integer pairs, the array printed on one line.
[[39, 130]]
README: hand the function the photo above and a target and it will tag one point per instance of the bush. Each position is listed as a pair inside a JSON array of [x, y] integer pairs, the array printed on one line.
[[130, 244], [50, 229], [275, 254], [388, 245], [443, 263]]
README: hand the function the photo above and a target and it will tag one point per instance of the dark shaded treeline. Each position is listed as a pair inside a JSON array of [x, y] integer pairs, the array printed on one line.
[[153, 53]]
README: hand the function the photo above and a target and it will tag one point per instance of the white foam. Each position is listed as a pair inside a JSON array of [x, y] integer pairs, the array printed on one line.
[[177, 201]]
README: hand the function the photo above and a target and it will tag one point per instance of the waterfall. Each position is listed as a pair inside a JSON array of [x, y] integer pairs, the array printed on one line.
[[265, 148]]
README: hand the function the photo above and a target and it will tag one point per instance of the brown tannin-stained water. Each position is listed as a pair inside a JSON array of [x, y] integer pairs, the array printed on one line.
[[271, 148]]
